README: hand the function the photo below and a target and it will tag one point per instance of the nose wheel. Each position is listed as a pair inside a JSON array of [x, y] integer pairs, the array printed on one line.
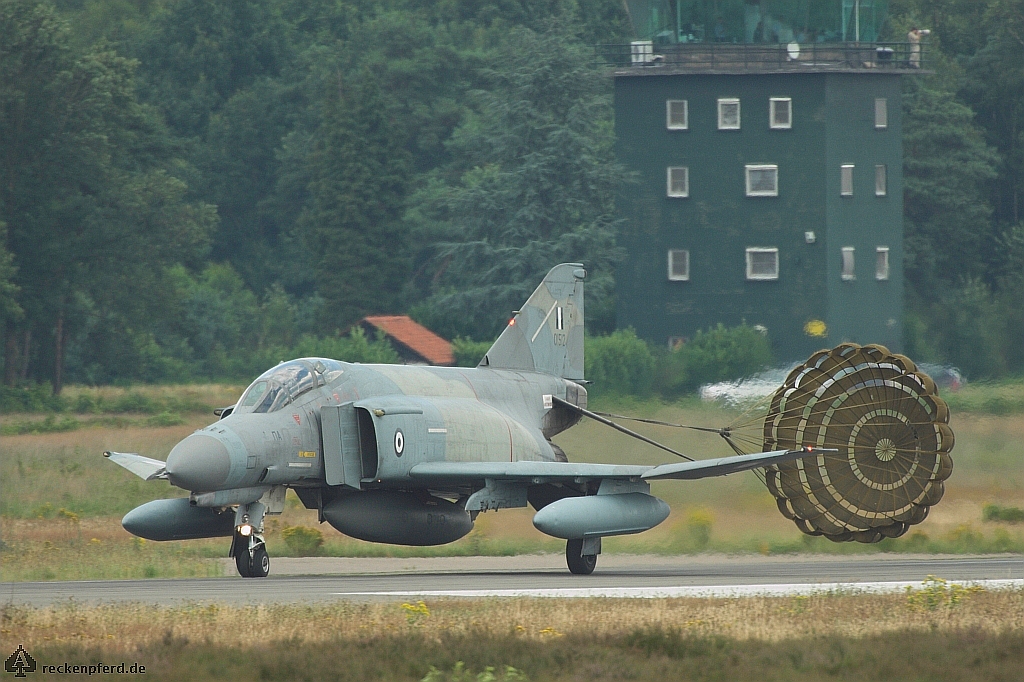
[[252, 561]]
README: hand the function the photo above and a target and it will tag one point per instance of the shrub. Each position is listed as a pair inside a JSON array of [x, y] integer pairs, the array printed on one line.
[[459, 673], [699, 523], [720, 354], [468, 352], [619, 363], [132, 402], [302, 540], [48, 425], [165, 419], [30, 397], [993, 512], [355, 347]]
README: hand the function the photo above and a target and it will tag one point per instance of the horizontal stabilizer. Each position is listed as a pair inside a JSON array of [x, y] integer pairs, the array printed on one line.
[[143, 467], [706, 468]]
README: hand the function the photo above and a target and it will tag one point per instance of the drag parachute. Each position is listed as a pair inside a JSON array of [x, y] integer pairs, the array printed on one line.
[[891, 430]]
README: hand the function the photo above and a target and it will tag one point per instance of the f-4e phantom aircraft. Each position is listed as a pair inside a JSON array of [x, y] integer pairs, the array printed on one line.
[[411, 455]]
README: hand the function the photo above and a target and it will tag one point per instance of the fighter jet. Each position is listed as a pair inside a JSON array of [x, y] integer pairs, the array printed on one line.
[[410, 455]]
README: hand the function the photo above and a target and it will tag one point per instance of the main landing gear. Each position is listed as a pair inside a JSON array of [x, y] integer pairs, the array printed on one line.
[[581, 555], [247, 546]]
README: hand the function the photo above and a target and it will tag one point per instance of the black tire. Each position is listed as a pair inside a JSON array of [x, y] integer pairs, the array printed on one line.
[[579, 563], [242, 562], [260, 563]]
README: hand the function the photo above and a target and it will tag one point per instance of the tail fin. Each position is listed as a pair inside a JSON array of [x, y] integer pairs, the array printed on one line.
[[547, 334]]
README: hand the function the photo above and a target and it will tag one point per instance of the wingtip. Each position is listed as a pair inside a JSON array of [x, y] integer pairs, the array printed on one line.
[[106, 453]]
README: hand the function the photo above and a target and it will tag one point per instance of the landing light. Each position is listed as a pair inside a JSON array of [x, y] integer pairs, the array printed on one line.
[[245, 530]]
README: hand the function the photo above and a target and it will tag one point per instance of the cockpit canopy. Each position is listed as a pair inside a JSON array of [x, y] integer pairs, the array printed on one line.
[[279, 386]]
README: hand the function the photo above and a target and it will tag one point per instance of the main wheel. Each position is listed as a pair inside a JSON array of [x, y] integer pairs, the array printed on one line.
[[260, 563], [242, 563], [579, 563]]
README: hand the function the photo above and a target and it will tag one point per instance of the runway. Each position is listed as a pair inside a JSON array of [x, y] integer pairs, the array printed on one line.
[[326, 579]]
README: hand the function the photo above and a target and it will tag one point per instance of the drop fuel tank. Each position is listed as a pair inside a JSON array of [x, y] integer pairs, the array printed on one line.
[[575, 518], [178, 520], [399, 518]]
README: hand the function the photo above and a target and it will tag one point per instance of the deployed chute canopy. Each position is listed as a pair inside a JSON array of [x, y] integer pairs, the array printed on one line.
[[892, 432], [279, 386]]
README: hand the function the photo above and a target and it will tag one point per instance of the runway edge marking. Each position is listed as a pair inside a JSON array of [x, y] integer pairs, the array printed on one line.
[[777, 590]]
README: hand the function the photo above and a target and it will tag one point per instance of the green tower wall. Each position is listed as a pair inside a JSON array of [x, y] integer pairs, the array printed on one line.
[[832, 124]]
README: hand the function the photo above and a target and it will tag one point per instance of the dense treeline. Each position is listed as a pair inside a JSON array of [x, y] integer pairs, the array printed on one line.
[[964, 185], [191, 188]]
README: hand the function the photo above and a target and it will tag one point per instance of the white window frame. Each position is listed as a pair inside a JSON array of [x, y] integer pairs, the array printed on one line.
[[846, 180], [882, 263], [849, 264], [881, 180], [673, 256], [721, 120], [761, 167], [669, 191], [761, 276], [881, 113], [773, 104], [669, 123]]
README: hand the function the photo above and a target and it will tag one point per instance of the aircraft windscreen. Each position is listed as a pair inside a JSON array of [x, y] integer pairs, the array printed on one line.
[[277, 387]]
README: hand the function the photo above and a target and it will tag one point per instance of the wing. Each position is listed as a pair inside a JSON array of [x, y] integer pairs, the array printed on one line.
[[143, 467], [556, 472], [706, 468], [526, 472]]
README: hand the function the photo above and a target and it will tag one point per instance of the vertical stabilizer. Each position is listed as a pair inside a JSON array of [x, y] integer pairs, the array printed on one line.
[[547, 334]]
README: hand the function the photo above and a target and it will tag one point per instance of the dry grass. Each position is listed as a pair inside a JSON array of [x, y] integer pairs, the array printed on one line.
[[875, 637], [122, 627]]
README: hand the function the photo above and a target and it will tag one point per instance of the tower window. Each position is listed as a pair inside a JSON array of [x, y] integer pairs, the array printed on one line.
[[678, 181], [881, 113], [677, 114], [846, 180], [848, 271], [882, 263], [679, 265], [762, 180], [728, 114], [762, 263], [881, 188], [780, 113]]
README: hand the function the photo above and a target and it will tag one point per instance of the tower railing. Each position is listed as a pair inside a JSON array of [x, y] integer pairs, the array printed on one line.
[[725, 57]]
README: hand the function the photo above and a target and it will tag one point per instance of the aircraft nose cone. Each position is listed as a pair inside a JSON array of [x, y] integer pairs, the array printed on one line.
[[198, 463]]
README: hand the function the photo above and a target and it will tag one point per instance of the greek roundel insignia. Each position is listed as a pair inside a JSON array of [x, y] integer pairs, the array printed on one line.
[[399, 442]]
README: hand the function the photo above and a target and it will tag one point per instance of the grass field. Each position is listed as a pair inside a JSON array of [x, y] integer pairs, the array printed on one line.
[[61, 501], [933, 634]]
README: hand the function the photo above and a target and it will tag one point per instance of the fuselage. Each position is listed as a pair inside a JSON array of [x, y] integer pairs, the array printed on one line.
[[389, 418]]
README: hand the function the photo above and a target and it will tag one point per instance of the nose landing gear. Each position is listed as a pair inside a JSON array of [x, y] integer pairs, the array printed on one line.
[[251, 560], [248, 546]]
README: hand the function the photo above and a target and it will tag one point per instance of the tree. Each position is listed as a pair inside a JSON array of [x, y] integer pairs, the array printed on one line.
[[948, 168], [350, 227], [532, 185], [93, 213], [994, 88]]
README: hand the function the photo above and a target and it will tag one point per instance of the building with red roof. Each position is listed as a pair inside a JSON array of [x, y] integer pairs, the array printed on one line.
[[415, 344]]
